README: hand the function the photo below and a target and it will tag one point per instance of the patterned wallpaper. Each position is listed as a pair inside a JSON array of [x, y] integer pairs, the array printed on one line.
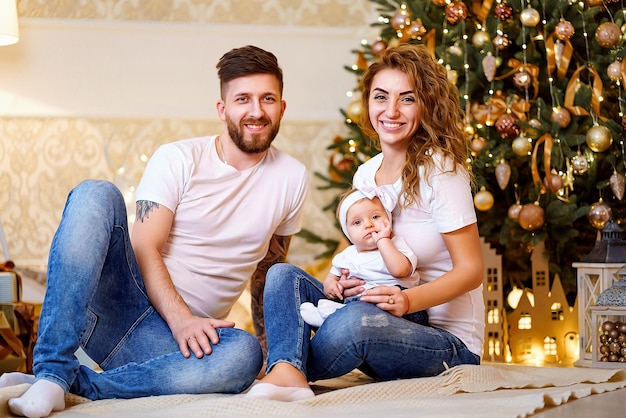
[[335, 13]]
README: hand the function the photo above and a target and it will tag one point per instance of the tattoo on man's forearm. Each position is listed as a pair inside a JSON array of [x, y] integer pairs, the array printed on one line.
[[144, 207]]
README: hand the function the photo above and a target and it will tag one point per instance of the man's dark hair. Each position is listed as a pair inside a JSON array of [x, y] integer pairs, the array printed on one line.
[[245, 61]]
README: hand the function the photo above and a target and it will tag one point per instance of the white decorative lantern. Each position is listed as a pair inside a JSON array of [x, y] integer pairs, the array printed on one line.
[[597, 272], [591, 280]]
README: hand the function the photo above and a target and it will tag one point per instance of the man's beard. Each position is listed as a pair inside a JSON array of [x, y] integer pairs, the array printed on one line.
[[259, 142]]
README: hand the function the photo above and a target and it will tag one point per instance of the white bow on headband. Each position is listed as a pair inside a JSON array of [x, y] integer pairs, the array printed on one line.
[[386, 193]]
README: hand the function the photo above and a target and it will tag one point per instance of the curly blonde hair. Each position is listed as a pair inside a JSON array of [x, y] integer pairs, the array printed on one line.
[[441, 127]]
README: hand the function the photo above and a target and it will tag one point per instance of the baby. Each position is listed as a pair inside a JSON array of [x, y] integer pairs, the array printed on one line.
[[375, 256]]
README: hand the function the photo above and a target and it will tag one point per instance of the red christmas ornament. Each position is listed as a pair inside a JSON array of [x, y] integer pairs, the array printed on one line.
[[457, 11], [503, 11], [506, 125]]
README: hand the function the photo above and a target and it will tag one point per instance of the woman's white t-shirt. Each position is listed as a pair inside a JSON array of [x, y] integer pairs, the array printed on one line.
[[223, 218], [445, 205]]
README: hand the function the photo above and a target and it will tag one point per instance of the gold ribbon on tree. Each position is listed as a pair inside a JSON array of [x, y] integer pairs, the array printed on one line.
[[518, 65], [562, 64], [548, 142], [496, 106], [482, 8], [596, 93], [534, 168]]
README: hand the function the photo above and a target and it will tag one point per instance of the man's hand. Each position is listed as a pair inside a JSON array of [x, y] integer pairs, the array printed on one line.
[[197, 334]]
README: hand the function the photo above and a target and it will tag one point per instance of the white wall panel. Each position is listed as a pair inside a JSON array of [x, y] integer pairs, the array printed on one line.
[[83, 68]]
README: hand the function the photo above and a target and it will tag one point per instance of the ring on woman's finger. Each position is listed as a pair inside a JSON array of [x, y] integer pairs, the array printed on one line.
[[189, 338], [390, 301]]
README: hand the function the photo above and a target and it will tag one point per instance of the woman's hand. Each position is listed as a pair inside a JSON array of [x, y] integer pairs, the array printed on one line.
[[351, 286], [387, 298], [196, 334]]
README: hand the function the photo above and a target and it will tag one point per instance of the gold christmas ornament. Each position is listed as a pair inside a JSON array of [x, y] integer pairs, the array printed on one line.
[[480, 37], [453, 75], [440, 2], [562, 116], [354, 110], [483, 200], [531, 217], [529, 17], [564, 30], [553, 182], [477, 145], [614, 70], [599, 214], [617, 183], [580, 164], [489, 66], [534, 128], [522, 79], [400, 19], [503, 174], [608, 34], [417, 29], [599, 138], [522, 146], [514, 211], [468, 130], [501, 42], [455, 50]]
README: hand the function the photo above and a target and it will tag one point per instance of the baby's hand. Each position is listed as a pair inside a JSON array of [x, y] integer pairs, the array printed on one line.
[[385, 231], [332, 288]]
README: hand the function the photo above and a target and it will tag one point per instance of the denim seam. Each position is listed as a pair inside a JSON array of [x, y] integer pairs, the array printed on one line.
[[122, 341]]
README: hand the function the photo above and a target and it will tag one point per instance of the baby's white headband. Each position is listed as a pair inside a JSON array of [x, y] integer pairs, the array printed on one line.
[[385, 194]]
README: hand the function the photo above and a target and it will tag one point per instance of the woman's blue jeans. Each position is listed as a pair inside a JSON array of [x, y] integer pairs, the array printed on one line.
[[96, 298], [359, 335]]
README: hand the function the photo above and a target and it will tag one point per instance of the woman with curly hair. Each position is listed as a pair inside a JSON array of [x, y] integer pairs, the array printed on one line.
[[413, 113]]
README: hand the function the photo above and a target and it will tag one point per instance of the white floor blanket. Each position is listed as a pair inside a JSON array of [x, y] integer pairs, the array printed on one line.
[[494, 390]]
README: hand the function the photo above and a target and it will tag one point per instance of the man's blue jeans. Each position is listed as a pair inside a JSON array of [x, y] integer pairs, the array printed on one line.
[[359, 335], [96, 298]]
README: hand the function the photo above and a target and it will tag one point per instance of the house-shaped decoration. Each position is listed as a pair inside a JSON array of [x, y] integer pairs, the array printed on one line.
[[546, 331], [494, 346]]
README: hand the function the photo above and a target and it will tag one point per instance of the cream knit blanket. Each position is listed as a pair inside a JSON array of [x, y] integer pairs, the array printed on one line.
[[493, 390]]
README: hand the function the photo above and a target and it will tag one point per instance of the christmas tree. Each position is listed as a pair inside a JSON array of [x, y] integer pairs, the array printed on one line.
[[540, 83]]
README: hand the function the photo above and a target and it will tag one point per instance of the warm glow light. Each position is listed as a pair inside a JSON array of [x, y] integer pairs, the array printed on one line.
[[516, 295], [9, 30]]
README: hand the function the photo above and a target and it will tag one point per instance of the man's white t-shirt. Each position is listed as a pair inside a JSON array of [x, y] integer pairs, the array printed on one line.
[[223, 218], [445, 205]]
